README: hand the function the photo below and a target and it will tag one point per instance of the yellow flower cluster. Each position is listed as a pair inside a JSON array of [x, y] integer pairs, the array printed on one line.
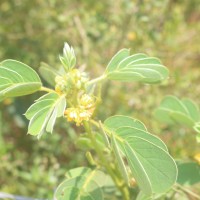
[[83, 112]]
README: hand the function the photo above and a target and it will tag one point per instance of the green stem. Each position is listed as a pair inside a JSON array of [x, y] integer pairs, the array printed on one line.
[[96, 80], [112, 171], [45, 89], [187, 191]]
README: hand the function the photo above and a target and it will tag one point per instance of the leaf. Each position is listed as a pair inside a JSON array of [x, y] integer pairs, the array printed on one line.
[[142, 196], [132, 127], [48, 73], [172, 110], [81, 183], [120, 55], [198, 137], [117, 121], [68, 59], [192, 108], [43, 113], [138, 67], [104, 135], [17, 79], [119, 159], [147, 157], [85, 143], [188, 173]]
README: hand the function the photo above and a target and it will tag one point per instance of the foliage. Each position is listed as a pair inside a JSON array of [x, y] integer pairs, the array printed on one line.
[[74, 98], [185, 112], [34, 31]]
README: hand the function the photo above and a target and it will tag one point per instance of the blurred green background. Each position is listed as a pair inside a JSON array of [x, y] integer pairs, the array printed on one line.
[[35, 31]]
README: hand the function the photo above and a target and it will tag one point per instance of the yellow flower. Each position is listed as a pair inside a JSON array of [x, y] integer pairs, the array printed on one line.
[[83, 111], [78, 115], [86, 101]]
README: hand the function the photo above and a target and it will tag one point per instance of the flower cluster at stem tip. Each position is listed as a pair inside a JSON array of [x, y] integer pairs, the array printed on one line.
[[72, 84], [83, 111], [72, 81]]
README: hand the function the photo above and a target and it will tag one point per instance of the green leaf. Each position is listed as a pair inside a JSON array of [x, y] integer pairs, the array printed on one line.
[[48, 73], [17, 79], [120, 55], [196, 127], [142, 196], [119, 158], [86, 143], [188, 173], [147, 157], [81, 183], [117, 121], [198, 137], [192, 109], [127, 126], [138, 67], [68, 59], [172, 110], [43, 113]]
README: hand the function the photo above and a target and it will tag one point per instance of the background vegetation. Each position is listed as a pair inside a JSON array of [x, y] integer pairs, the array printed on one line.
[[35, 31]]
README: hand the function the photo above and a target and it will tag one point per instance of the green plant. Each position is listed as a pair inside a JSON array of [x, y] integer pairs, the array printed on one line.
[[128, 156], [184, 112]]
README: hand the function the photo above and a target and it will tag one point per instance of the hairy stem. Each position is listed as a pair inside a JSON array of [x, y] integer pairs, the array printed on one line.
[[187, 191], [96, 80], [45, 89], [112, 171]]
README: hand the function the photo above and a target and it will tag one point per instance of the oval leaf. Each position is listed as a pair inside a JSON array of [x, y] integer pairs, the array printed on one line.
[[173, 110], [48, 73], [119, 159], [118, 121], [17, 79], [138, 67], [81, 183], [147, 157], [126, 126], [188, 173]]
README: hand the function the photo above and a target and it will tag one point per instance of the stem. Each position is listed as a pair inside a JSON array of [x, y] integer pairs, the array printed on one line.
[[187, 191], [45, 89], [96, 80], [108, 166]]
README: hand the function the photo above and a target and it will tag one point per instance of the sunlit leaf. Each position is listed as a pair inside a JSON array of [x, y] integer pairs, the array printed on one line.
[[68, 59], [138, 67], [127, 126], [17, 79], [192, 109], [120, 55], [172, 110], [147, 157], [48, 73], [119, 159], [118, 121], [197, 127], [43, 113], [142, 196], [188, 173], [198, 137], [81, 183]]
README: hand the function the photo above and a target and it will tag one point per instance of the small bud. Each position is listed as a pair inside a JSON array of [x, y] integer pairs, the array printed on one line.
[[87, 101], [68, 59]]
